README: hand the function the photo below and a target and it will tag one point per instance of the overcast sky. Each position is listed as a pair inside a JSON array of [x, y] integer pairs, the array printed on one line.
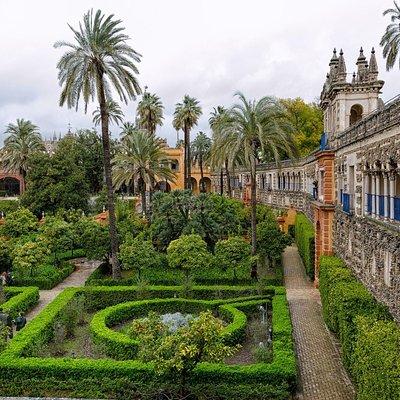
[[208, 49]]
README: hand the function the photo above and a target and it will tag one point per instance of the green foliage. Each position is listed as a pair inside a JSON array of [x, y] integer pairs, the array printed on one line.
[[93, 238], [133, 378], [211, 216], [58, 234], [369, 339], [305, 240], [176, 355], [29, 256], [56, 181], [271, 241], [307, 121], [20, 299], [189, 252], [138, 254], [19, 222], [376, 361], [87, 150], [7, 206], [233, 252]]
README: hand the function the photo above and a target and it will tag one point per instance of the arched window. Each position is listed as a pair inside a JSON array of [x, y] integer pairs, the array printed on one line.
[[356, 113]]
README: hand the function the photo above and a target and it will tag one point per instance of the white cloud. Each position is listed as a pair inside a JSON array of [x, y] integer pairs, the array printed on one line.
[[208, 49]]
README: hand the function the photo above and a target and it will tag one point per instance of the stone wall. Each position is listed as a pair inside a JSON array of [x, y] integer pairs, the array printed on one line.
[[372, 250]]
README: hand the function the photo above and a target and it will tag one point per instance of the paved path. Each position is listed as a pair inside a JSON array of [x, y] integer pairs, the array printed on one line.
[[321, 373], [78, 278]]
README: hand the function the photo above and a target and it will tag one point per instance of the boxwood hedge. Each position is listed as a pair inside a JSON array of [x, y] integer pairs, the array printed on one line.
[[370, 339], [54, 275], [305, 240], [118, 345], [132, 379], [20, 299]]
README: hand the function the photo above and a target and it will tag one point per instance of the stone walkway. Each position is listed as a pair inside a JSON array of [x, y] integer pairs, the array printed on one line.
[[321, 373], [78, 278]]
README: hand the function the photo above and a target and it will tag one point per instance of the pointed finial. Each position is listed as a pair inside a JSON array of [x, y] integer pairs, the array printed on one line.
[[354, 78]]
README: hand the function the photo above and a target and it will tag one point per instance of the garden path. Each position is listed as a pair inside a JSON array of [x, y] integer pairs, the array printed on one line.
[[83, 268], [321, 372]]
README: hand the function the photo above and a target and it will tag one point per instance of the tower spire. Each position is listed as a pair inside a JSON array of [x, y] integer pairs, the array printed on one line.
[[334, 65], [373, 66], [362, 65], [341, 67]]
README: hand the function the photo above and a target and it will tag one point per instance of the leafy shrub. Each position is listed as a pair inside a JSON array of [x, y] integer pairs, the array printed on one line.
[[19, 222], [233, 252], [7, 206], [187, 253], [305, 239], [138, 254], [271, 241]]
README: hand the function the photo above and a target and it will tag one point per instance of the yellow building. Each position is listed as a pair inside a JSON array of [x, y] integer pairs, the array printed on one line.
[[176, 157]]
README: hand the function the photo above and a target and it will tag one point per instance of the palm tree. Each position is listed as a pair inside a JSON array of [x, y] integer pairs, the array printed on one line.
[[23, 140], [115, 114], [200, 150], [99, 60], [220, 157], [142, 157], [186, 116], [150, 111], [391, 38], [253, 128]]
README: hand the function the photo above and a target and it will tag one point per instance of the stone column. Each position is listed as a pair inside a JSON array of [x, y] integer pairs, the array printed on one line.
[[373, 192], [365, 192], [378, 192], [392, 192], [386, 197]]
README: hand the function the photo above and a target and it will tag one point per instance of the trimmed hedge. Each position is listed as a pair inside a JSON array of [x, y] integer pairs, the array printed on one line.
[[20, 300], [47, 282], [168, 276], [364, 327], [106, 378], [99, 297], [305, 240], [376, 359], [121, 347]]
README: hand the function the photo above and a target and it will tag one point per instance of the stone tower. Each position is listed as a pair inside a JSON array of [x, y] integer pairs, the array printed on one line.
[[345, 103]]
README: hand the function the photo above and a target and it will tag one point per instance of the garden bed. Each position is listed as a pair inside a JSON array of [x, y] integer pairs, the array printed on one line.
[[86, 376]]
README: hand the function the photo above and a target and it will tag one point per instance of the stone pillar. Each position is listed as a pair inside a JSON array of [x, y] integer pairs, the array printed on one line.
[[378, 192], [373, 194], [392, 192], [386, 196], [366, 190], [324, 210]]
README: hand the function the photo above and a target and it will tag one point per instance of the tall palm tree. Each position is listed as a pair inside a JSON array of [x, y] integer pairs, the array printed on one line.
[[200, 150], [23, 139], [391, 38], [186, 116], [221, 158], [98, 61], [142, 157], [254, 128], [115, 114], [150, 112]]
